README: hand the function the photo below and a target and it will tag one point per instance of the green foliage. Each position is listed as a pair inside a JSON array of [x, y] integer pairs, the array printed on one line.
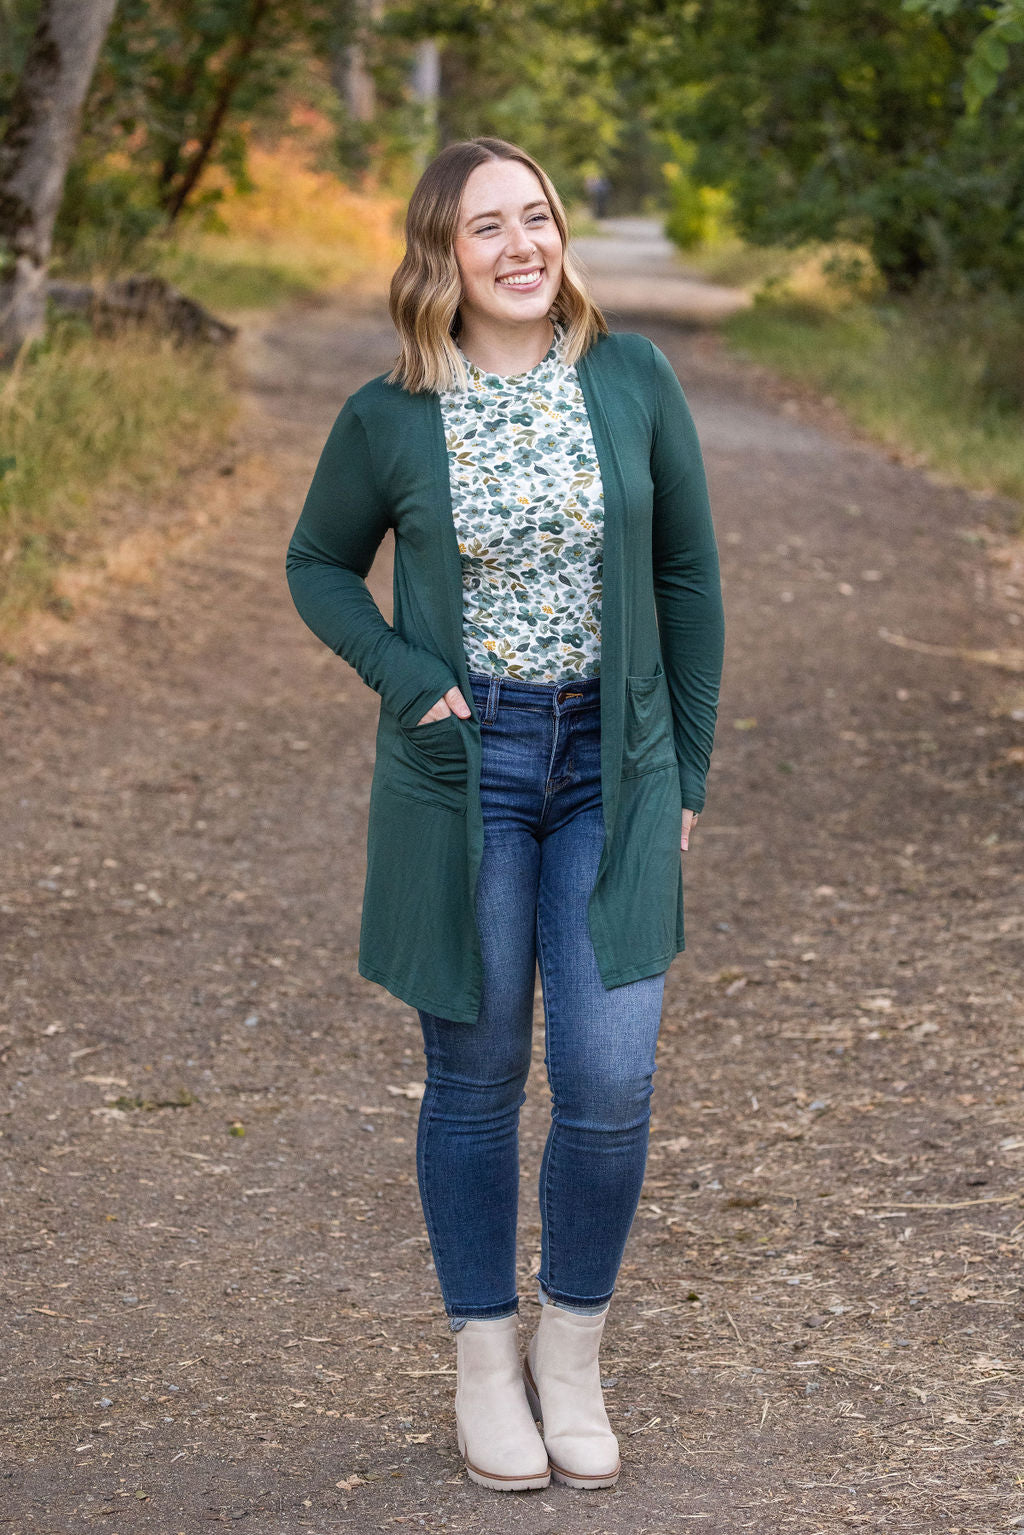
[[534, 73], [895, 124], [17, 22], [697, 215], [178, 85], [826, 120], [224, 280], [106, 217], [990, 56]]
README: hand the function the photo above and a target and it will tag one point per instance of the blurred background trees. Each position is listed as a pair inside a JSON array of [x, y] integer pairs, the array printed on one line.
[[825, 120], [897, 124], [859, 168]]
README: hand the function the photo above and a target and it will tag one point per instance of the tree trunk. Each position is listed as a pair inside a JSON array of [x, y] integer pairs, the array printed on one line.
[[357, 86], [426, 88], [176, 197], [35, 152]]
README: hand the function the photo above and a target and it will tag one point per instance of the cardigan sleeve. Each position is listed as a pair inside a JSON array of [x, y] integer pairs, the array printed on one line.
[[343, 520], [686, 582]]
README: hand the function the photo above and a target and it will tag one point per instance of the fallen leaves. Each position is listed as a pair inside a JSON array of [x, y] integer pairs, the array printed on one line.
[[678, 1143]]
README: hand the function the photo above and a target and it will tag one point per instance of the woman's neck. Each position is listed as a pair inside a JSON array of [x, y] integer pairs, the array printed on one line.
[[507, 352]]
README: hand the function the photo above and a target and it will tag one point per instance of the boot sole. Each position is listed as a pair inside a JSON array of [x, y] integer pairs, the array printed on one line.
[[501, 1483], [568, 1478], [584, 1482]]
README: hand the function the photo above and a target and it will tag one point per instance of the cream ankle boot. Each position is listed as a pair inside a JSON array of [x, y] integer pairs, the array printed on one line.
[[563, 1384], [498, 1437]]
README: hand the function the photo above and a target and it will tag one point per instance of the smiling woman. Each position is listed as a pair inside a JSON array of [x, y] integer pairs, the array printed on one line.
[[487, 264], [510, 260], [548, 695]]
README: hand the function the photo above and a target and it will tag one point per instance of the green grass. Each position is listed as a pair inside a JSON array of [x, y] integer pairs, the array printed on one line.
[[225, 280], [80, 415], [933, 376], [231, 272], [739, 265], [942, 380]]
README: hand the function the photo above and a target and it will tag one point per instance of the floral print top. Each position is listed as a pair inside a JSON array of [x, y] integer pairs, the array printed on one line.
[[529, 514]]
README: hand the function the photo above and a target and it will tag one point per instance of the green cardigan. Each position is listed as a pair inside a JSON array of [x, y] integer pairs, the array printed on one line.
[[385, 464]]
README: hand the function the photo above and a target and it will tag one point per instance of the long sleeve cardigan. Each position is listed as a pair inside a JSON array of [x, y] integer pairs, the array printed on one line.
[[385, 465]]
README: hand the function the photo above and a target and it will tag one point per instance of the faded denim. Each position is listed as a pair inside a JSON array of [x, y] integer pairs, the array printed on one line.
[[543, 835]]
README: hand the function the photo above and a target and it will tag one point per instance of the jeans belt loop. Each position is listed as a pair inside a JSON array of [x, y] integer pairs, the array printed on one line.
[[491, 709]]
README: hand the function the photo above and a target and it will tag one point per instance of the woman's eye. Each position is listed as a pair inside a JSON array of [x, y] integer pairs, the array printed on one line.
[[486, 229]]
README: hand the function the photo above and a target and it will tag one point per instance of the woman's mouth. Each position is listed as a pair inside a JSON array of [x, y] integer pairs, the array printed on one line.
[[522, 282]]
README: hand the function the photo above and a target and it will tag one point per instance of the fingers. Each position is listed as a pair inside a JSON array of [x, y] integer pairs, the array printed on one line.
[[457, 704], [689, 822], [452, 703], [437, 712]]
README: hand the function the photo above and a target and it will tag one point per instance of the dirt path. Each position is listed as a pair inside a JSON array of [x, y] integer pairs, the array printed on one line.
[[219, 1306], [634, 269]]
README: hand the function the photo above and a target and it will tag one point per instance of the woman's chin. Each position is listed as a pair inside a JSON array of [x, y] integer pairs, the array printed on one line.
[[531, 307]]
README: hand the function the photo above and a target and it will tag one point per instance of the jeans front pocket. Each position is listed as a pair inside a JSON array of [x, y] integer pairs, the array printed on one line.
[[428, 762], [647, 745]]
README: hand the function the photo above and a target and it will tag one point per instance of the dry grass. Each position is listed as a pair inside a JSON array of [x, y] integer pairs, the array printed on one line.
[[91, 430], [300, 231], [83, 423], [938, 383], [937, 379]]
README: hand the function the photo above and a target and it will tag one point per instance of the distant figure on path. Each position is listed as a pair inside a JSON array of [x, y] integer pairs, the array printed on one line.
[[548, 694], [598, 190]]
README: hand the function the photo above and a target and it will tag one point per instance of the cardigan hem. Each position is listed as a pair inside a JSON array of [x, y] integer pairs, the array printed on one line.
[[644, 971], [414, 999], [641, 972]]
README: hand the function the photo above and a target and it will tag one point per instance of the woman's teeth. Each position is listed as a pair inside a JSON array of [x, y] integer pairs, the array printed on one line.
[[524, 281]]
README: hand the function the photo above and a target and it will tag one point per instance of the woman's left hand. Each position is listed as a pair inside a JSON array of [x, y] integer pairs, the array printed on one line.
[[689, 822]]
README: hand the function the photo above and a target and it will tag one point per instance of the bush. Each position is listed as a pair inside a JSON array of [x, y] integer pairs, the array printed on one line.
[[697, 215], [106, 218]]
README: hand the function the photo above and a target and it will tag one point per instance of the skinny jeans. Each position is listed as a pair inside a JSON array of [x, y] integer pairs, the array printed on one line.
[[543, 835]]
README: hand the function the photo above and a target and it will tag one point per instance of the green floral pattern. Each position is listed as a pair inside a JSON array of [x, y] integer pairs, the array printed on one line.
[[529, 513]]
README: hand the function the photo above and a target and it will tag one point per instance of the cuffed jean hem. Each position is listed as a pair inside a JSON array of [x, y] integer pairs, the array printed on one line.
[[458, 1319], [571, 1303]]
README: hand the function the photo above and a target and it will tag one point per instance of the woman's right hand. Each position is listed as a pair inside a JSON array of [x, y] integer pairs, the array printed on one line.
[[452, 703]]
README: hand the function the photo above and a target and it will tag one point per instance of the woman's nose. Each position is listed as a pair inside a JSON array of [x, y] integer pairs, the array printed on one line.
[[520, 241]]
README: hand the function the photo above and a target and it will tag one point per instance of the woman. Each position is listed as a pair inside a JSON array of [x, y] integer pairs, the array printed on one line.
[[548, 696]]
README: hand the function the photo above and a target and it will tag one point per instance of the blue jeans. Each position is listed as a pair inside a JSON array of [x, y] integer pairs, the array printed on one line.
[[543, 834]]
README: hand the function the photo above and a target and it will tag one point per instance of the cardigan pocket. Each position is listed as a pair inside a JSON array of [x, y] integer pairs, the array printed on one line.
[[647, 744], [428, 763]]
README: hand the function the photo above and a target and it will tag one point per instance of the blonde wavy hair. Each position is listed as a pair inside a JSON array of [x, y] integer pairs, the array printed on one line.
[[427, 288]]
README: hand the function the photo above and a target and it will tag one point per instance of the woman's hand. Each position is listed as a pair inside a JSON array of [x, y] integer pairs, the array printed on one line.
[[452, 703], [689, 822]]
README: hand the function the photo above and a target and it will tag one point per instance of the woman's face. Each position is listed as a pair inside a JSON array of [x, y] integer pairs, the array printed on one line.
[[506, 231]]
